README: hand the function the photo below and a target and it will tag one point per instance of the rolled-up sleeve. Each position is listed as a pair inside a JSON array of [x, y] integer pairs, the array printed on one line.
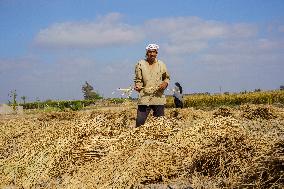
[[166, 75], [138, 80]]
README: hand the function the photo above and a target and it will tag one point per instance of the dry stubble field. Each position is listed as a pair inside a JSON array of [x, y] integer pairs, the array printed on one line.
[[241, 147]]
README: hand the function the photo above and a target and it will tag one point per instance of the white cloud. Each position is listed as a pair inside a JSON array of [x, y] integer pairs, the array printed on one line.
[[185, 48], [105, 31], [240, 59], [194, 28], [185, 28], [254, 46], [192, 34]]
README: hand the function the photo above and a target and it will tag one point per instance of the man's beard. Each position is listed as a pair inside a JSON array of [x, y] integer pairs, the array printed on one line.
[[151, 58]]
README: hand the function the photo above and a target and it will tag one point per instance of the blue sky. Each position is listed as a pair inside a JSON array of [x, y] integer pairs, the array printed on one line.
[[48, 49]]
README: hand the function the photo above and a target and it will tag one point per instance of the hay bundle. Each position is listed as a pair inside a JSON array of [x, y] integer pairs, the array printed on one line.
[[223, 111], [42, 148], [99, 150], [57, 116], [180, 114], [223, 152], [255, 112], [267, 171], [114, 118], [213, 145], [151, 162], [139, 156]]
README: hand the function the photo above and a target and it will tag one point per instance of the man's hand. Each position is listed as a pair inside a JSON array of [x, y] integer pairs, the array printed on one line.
[[137, 88], [163, 85]]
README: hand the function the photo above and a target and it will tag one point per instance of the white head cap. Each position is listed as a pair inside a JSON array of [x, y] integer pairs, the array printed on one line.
[[152, 47]]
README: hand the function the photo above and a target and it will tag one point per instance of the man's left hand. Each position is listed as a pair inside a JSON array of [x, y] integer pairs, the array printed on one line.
[[163, 85]]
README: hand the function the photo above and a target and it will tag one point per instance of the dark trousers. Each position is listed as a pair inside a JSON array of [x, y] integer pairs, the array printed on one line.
[[178, 103], [143, 112]]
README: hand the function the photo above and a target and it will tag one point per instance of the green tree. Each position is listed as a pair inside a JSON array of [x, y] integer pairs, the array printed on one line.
[[88, 92]]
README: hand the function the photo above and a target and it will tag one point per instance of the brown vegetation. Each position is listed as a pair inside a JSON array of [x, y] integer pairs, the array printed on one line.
[[223, 148]]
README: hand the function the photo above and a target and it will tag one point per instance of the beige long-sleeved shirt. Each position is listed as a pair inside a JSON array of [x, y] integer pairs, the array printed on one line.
[[149, 77]]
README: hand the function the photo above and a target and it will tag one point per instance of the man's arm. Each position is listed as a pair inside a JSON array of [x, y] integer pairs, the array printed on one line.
[[138, 80], [165, 78]]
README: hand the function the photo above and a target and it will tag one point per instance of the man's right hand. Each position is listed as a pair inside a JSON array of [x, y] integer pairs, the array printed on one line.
[[137, 88]]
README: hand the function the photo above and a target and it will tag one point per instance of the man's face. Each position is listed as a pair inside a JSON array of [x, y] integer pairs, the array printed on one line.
[[152, 55]]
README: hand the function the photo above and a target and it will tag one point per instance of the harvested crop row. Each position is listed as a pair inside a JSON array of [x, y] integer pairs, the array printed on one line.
[[187, 147]]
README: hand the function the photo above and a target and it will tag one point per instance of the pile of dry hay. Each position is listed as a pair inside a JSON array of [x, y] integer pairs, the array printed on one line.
[[202, 149]]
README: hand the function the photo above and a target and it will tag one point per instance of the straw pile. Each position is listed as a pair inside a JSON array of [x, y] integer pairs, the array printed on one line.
[[222, 148]]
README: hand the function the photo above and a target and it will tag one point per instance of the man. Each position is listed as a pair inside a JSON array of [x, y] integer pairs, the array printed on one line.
[[151, 79]]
